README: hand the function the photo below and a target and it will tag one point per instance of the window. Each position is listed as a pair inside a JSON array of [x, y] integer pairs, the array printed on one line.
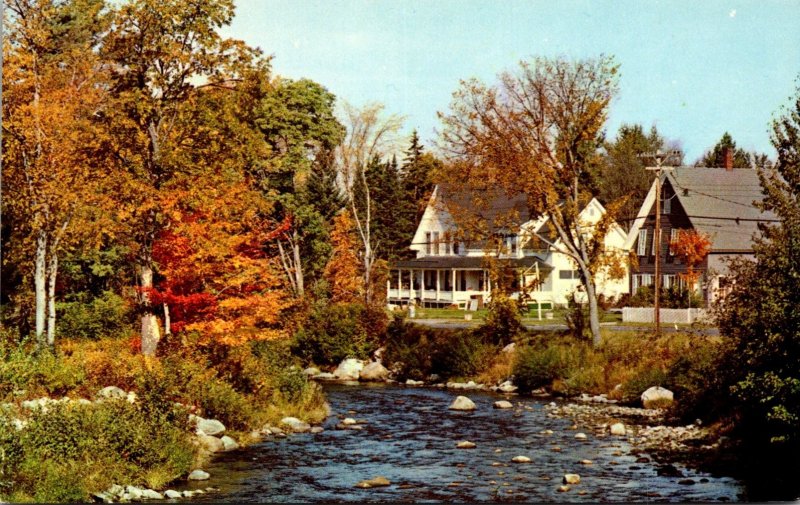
[[667, 206], [436, 249], [511, 244], [642, 249], [667, 281], [654, 250], [456, 247], [428, 243], [673, 236], [568, 274], [447, 243]]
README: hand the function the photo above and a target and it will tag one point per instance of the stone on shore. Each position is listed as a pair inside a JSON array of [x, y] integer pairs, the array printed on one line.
[[198, 475], [111, 392], [211, 444], [296, 425], [311, 371], [151, 494], [503, 404], [317, 429], [324, 376], [618, 429], [374, 372], [572, 478], [657, 397], [521, 459], [210, 426], [349, 369], [466, 444], [412, 382], [507, 387], [172, 494], [229, 444], [462, 403], [509, 348], [376, 482]]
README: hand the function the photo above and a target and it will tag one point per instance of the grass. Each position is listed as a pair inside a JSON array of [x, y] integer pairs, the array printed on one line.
[[530, 317]]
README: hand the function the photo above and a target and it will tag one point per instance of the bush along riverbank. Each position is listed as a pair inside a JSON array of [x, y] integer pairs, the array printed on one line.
[[98, 421]]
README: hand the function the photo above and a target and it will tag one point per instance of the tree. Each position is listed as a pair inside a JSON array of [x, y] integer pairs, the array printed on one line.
[[741, 158], [537, 133], [692, 247], [368, 136], [297, 120], [760, 318], [343, 269], [163, 55], [622, 173], [418, 172], [52, 89]]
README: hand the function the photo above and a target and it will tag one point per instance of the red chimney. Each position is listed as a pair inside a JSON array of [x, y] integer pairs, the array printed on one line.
[[727, 158]]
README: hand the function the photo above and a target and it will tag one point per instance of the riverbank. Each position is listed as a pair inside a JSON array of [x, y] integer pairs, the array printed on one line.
[[98, 421]]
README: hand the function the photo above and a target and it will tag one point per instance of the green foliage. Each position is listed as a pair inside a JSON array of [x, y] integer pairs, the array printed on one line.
[[645, 377], [536, 367], [334, 332], [503, 321], [108, 315], [461, 354], [716, 156], [674, 297]]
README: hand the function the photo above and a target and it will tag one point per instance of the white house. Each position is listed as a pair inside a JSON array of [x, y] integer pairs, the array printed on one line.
[[450, 270]]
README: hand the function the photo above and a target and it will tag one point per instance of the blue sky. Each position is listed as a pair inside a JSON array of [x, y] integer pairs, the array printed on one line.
[[695, 69]]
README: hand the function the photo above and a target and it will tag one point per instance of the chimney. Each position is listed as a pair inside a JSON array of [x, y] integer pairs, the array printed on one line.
[[727, 158]]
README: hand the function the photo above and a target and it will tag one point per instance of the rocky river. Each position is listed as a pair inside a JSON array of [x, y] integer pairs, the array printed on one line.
[[408, 436]]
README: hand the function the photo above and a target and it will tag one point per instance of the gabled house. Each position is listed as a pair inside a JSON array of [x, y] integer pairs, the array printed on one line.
[[715, 201], [451, 270]]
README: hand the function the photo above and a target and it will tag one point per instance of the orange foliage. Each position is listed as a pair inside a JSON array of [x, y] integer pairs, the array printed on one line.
[[343, 271], [691, 247]]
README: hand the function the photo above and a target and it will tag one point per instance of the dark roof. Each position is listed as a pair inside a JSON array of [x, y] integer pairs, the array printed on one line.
[[714, 198], [491, 206], [466, 262]]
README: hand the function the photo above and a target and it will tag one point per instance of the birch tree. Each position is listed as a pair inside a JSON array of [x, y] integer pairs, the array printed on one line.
[[51, 91], [369, 135], [537, 132]]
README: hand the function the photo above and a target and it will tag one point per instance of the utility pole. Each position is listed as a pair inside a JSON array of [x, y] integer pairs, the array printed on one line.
[[660, 158]]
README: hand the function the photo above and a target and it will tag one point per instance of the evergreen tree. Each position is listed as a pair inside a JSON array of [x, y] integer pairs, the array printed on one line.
[[741, 158]]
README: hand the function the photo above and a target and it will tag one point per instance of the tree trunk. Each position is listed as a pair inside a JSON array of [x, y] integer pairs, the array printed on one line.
[[594, 311], [167, 321], [52, 273], [298, 266], [150, 330], [40, 288]]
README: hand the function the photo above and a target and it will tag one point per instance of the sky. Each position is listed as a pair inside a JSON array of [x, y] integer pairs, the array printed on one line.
[[694, 69]]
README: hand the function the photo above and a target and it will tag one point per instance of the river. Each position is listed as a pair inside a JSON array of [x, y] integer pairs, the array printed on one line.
[[410, 437]]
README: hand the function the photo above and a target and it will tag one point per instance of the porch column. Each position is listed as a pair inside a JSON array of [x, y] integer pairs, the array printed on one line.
[[438, 287], [453, 284], [388, 287], [399, 283], [411, 290]]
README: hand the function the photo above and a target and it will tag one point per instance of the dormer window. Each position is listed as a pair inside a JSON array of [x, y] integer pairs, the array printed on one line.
[[511, 244], [428, 243]]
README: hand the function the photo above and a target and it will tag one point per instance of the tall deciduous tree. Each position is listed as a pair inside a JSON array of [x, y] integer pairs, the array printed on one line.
[[369, 135], [162, 54], [537, 132], [51, 83]]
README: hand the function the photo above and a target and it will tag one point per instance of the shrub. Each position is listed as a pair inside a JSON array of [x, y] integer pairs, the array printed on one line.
[[646, 376], [108, 315], [409, 349], [693, 377], [537, 367], [576, 317], [503, 320], [461, 354], [332, 333]]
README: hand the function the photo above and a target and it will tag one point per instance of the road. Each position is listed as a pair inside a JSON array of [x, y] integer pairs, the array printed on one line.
[[457, 324]]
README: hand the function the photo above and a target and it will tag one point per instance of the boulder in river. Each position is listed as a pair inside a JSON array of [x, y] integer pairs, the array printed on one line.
[[229, 444], [503, 404], [657, 397], [563, 489], [210, 426], [376, 482], [374, 372], [521, 459], [572, 478], [349, 369], [580, 436], [296, 425], [466, 444], [462, 403], [507, 387], [618, 429], [412, 382], [199, 475]]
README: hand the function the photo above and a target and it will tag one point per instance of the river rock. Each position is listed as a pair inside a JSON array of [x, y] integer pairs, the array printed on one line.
[[572, 478], [503, 404], [507, 387], [563, 489], [311, 371], [580, 436], [521, 459], [324, 376], [316, 429], [210, 426], [349, 369], [199, 475], [211, 444], [471, 385], [656, 397], [462, 403], [374, 372], [229, 444], [172, 494], [412, 382], [509, 348], [349, 421], [618, 429], [296, 425], [151, 494], [111, 392], [376, 482], [134, 492], [466, 444]]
